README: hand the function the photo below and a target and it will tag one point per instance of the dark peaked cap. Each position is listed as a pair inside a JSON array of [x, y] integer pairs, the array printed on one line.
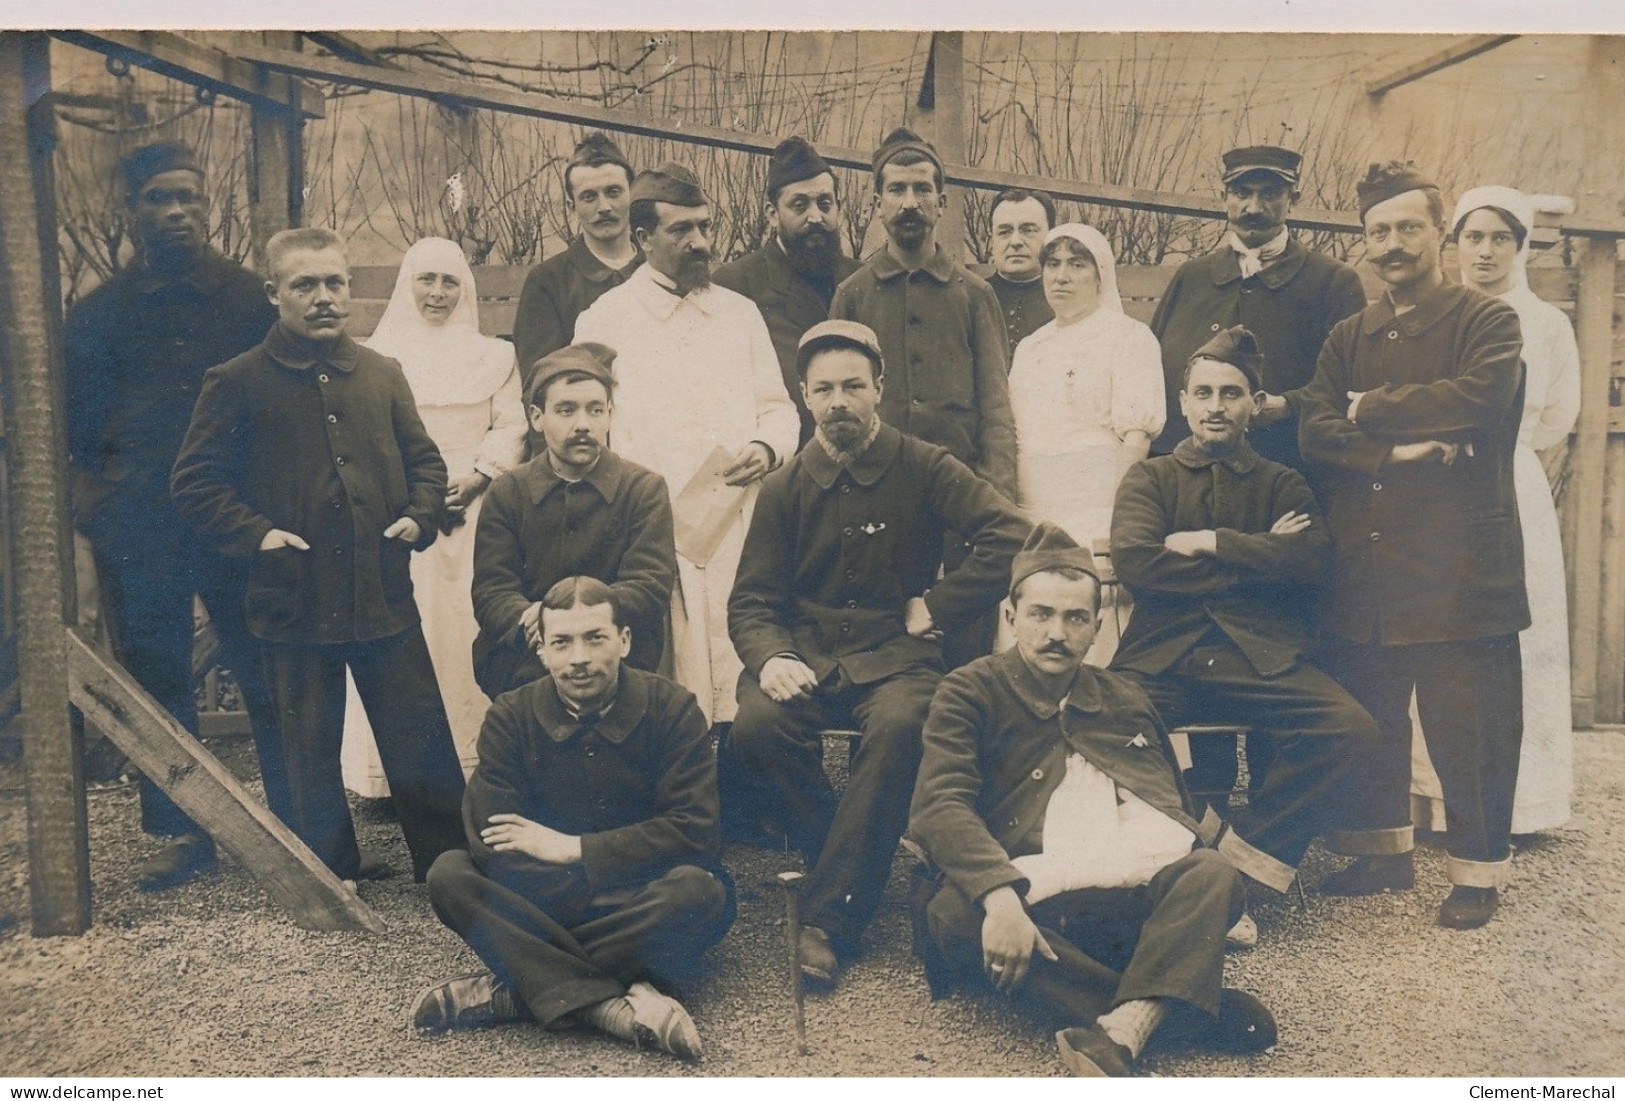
[[900, 139], [1238, 347], [1383, 181], [1049, 547], [669, 183], [154, 160], [1261, 158], [794, 160]]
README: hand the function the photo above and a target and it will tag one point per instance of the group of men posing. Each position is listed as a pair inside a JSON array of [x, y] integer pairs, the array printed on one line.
[[257, 456]]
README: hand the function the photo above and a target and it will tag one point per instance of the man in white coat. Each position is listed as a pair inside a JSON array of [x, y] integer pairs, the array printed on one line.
[[695, 371]]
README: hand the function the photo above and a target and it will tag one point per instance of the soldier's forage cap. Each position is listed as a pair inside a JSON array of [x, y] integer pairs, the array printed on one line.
[[1383, 181], [669, 183], [590, 359], [839, 334], [1047, 548], [1261, 158], [900, 139], [153, 160], [794, 159], [597, 148], [1238, 347]]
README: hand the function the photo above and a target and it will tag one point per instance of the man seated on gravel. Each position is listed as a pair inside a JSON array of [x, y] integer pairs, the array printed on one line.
[[593, 841], [1073, 869]]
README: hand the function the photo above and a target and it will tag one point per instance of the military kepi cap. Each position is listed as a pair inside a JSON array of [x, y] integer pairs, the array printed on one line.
[[1047, 548], [588, 358], [1261, 158], [794, 159], [152, 160], [1383, 181], [899, 140], [1238, 347], [839, 334], [669, 183]]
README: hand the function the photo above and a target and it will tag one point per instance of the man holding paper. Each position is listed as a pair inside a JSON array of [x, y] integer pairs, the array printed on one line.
[[696, 374], [838, 615]]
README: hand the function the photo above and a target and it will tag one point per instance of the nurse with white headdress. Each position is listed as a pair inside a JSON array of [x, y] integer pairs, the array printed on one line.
[[466, 386], [1086, 391], [1491, 226]]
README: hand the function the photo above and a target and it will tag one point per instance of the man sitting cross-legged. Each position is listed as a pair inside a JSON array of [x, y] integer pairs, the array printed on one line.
[[593, 842], [1073, 873]]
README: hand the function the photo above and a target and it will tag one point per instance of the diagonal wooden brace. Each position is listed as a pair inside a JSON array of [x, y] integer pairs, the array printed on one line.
[[201, 786]]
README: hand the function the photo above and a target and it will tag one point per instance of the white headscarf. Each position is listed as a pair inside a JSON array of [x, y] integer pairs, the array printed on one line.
[[450, 363], [1513, 202], [1100, 250]]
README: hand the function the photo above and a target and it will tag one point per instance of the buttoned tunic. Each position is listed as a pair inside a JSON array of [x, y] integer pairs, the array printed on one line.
[[556, 292], [1290, 307], [537, 529], [322, 440], [947, 358], [694, 373], [1422, 552], [1023, 305], [835, 552], [790, 304]]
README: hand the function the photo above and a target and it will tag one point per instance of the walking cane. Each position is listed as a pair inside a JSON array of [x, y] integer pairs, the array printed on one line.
[[792, 928]]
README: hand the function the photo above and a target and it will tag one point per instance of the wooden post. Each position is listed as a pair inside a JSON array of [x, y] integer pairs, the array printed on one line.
[[1594, 325], [58, 835], [942, 118], [276, 160], [1610, 618]]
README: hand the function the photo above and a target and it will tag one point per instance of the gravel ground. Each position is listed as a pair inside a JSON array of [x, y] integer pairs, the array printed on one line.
[[211, 979]]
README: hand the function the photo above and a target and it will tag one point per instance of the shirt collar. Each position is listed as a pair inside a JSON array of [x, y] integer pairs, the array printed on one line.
[[605, 476], [939, 267], [624, 713], [866, 469], [592, 269], [659, 293], [1435, 304], [1276, 273], [1082, 696], [203, 275], [297, 353], [1240, 461]]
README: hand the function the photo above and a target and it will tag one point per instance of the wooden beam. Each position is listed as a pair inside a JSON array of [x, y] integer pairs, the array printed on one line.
[[205, 789], [1610, 615], [202, 66], [940, 115], [1453, 54], [275, 164], [347, 48], [1594, 330], [30, 358]]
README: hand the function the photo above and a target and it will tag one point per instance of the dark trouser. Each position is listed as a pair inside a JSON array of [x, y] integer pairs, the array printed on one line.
[[1161, 940], [1318, 733], [1469, 696], [146, 594], [848, 845], [561, 957], [396, 683]]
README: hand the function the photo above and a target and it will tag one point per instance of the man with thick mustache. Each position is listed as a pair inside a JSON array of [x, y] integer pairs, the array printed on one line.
[[695, 372], [836, 616], [306, 455], [578, 509], [793, 277], [1409, 428], [1224, 552]]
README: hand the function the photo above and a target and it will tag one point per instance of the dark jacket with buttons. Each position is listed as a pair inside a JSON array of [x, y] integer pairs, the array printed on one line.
[[637, 784], [1024, 306], [536, 529], [995, 750], [1290, 306], [323, 441], [1259, 589], [790, 304], [135, 351], [1421, 552], [835, 552], [947, 358], [556, 292]]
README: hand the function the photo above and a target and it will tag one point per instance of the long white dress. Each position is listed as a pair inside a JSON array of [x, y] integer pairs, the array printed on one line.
[[692, 374], [468, 394], [1551, 404]]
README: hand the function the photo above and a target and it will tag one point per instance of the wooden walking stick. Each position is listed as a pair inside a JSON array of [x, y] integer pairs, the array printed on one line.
[[791, 881]]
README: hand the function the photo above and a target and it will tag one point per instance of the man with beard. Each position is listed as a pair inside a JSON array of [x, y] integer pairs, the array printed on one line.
[[576, 509], [135, 352], [1020, 220], [944, 340], [1409, 427], [598, 188], [696, 376], [793, 277], [306, 455], [1224, 552], [836, 616]]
